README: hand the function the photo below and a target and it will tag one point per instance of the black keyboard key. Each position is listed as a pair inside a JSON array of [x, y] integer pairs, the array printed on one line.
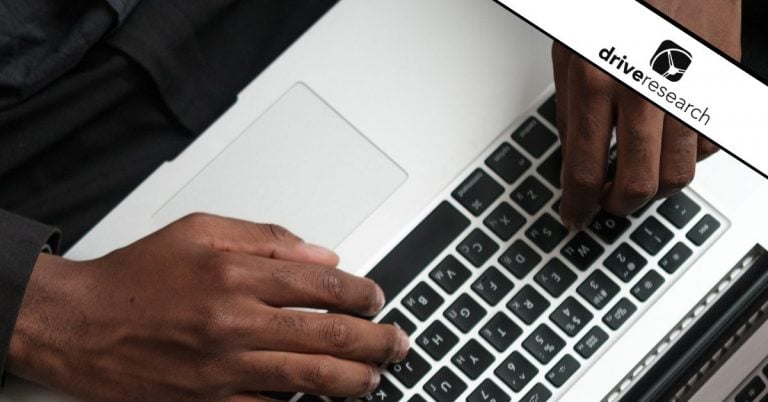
[[534, 137], [477, 248], [508, 163], [412, 255], [487, 391], [591, 342], [500, 331], [619, 314], [751, 391], [478, 192], [679, 209], [422, 301], [609, 227], [516, 371], [550, 168], [538, 393], [437, 340], [410, 370], [582, 251], [548, 110], [703, 230], [647, 286], [531, 195], [398, 319], [464, 313], [571, 316], [652, 235], [562, 371], [528, 304], [555, 277], [625, 262], [675, 258], [504, 221], [546, 233], [519, 259], [473, 359], [492, 286], [445, 386], [598, 289], [450, 274], [417, 398], [543, 344], [386, 392]]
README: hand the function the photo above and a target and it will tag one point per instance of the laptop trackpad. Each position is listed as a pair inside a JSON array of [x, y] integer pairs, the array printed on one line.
[[300, 165]]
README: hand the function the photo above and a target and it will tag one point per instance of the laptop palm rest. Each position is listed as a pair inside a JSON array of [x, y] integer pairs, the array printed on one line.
[[300, 165]]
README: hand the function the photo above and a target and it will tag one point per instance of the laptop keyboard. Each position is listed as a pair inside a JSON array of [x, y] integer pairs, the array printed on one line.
[[503, 303]]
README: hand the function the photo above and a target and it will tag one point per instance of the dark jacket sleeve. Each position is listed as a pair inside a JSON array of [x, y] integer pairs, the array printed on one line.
[[21, 241]]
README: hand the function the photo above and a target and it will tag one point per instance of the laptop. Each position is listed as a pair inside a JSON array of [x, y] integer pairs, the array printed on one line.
[[417, 139]]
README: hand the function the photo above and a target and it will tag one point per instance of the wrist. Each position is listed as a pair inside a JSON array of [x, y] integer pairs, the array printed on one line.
[[46, 320]]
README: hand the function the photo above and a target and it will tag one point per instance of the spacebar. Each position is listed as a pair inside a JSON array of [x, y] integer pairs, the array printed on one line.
[[425, 242]]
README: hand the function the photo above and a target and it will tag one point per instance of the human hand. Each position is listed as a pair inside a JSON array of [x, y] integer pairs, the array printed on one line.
[[656, 154], [195, 312]]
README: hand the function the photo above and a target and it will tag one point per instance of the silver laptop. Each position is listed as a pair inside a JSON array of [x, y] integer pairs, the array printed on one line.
[[416, 138]]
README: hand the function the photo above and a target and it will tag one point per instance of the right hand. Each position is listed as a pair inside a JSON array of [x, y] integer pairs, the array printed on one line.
[[196, 312]]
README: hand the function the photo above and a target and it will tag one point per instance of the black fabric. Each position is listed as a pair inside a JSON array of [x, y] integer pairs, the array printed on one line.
[[21, 241], [202, 53], [41, 39], [755, 38], [71, 152]]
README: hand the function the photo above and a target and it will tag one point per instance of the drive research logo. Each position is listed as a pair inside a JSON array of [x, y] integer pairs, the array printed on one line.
[[671, 61]]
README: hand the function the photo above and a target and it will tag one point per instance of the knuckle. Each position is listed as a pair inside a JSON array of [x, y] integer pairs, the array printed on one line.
[[319, 375], [332, 285], [223, 272], [215, 326], [277, 232], [584, 179], [197, 219], [676, 180], [336, 333], [592, 78], [639, 189]]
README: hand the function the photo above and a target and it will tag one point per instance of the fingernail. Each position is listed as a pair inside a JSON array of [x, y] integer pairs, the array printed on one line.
[[405, 344], [380, 300], [319, 251], [375, 379]]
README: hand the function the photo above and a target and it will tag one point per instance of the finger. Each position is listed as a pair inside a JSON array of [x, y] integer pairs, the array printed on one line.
[[312, 374], [561, 57], [249, 397], [678, 157], [330, 334], [590, 120], [706, 148], [266, 240], [291, 284], [639, 129]]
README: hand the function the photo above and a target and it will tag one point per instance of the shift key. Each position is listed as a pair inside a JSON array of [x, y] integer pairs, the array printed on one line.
[[478, 192]]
